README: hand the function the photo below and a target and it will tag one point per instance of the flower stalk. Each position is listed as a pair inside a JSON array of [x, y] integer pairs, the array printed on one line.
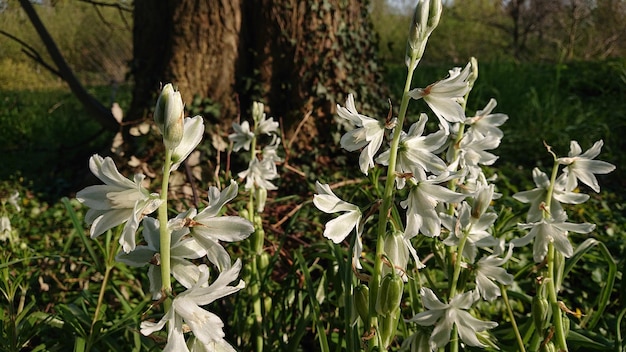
[[388, 197], [165, 237]]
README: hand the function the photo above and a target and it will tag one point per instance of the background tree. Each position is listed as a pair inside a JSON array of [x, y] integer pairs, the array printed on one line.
[[299, 57]]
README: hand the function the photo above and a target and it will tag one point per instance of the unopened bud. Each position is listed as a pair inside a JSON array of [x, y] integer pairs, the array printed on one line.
[[169, 116], [261, 198], [389, 294], [425, 20], [474, 74], [257, 111], [362, 301]]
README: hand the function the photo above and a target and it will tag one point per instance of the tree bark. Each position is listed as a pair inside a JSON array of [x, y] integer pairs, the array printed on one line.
[[296, 56]]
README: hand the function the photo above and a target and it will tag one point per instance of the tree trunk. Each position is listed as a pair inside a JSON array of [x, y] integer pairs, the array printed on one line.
[[296, 56]]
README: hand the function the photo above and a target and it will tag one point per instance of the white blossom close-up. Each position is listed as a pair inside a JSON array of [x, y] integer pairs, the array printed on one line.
[[537, 197], [242, 137], [192, 135], [209, 228], [186, 309], [368, 134], [339, 228], [416, 153], [581, 166], [444, 97], [548, 231], [183, 249], [118, 201], [446, 315], [421, 216]]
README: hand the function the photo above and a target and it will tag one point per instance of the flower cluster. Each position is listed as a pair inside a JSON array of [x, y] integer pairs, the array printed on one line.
[[262, 165], [447, 201], [170, 245]]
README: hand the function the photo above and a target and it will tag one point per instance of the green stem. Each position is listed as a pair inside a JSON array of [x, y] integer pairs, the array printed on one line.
[[109, 265], [548, 201], [165, 238], [509, 310], [386, 205], [557, 321], [457, 266]]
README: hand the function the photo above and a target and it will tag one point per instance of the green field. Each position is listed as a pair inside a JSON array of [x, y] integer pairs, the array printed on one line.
[[50, 273]]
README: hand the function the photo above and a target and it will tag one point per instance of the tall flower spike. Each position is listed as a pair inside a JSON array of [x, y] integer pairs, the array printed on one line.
[[582, 167], [119, 200], [338, 229]]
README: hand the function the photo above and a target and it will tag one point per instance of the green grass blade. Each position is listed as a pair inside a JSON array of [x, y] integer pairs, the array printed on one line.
[[314, 303], [605, 293], [81, 233]]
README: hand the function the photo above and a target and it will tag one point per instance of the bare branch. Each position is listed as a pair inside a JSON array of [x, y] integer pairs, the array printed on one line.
[[116, 5], [32, 53], [102, 114]]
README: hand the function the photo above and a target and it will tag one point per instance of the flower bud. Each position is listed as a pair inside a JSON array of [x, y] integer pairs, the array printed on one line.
[[169, 116], [425, 20], [257, 111], [388, 327], [362, 301], [389, 294], [261, 198], [539, 311], [548, 347]]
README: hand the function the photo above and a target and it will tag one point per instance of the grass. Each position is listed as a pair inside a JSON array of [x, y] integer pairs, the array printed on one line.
[[55, 279]]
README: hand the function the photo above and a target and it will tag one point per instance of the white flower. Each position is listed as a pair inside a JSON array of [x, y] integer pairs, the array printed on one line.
[[421, 202], [259, 173], [5, 228], [445, 316], [242, 136], [206, 326], [270, 151], [14, 200], [549, 231], [486, 123], [168, 116], [582, 167], [369, 134], [488, 269], [213, 346], [208, 228], [192, 135], [443, 96], [472, 153], [537, 197], [475, 231], [182, 249], [338, 229], [267, 126], [119, 200], [263, 125], [416, 153]]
